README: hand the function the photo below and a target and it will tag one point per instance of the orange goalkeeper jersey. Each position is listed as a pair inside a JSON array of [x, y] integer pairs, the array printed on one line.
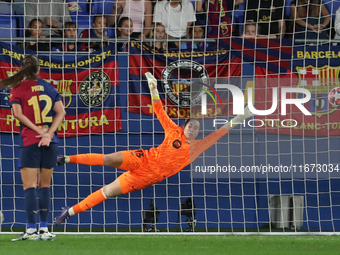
[[176, 151]]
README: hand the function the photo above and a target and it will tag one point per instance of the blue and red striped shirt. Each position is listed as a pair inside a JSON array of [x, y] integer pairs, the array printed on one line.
[[37, 99], [219, 18]]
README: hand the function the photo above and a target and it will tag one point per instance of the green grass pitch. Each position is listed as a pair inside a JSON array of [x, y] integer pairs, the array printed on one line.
[[162, 244]]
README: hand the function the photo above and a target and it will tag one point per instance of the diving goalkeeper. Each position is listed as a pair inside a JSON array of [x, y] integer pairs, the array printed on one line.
[[147, 167]]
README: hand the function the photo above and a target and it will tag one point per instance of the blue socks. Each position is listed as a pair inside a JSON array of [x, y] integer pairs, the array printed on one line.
[[31, 201], [44, 206], [31, 207]]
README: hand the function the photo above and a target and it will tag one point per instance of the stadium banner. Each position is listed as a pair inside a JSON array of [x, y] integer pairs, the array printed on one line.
[[182, 78], [86, 83], [312, 68]]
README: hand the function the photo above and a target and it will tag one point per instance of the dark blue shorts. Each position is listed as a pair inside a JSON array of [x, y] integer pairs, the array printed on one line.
[[33, 156]]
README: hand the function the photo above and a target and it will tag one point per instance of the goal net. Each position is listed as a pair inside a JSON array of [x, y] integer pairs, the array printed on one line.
[[277, 172]]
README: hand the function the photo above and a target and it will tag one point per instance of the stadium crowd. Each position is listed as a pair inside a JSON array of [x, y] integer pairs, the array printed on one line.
[[139, 20]]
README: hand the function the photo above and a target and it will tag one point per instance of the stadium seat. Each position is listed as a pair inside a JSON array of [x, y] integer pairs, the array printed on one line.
[[8, 27], [332, 6], [100, 6], [81, 18], [288, 7], [111, 33], [18, 7], [5, 8], [238, 17], [194, 4], [20, 26], [82, 23]]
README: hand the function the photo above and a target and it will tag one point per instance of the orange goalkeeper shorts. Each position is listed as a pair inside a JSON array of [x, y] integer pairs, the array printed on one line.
[[138, 175]]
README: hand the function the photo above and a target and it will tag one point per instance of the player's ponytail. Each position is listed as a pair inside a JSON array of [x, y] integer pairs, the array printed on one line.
[[29, 70]]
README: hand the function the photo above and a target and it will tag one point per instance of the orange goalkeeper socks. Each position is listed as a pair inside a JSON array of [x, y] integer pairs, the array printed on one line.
[[92, 200], [91, 159]]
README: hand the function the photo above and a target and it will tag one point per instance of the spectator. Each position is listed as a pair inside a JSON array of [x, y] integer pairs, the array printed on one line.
[[158, 32], [250, 31], [337, 25], [139, 11], [124, 31], [176, 16], [269, 14], [197, 31], [99, 30], [218, 17], [53, 14], [34, 31], [311, 18], [70, 31]]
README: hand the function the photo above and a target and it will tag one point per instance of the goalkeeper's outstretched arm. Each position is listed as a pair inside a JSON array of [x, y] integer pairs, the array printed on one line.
[[202, 145], [162, 116], [238, 119], [152, 82]]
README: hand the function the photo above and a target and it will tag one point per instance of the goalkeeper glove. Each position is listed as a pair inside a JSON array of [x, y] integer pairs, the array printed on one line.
[[152, 85], [240, 118]]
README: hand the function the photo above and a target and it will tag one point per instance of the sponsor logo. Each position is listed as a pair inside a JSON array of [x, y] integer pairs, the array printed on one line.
[[177, 144]]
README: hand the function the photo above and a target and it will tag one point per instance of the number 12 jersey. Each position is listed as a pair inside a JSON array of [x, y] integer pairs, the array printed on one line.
[[37, 99]]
